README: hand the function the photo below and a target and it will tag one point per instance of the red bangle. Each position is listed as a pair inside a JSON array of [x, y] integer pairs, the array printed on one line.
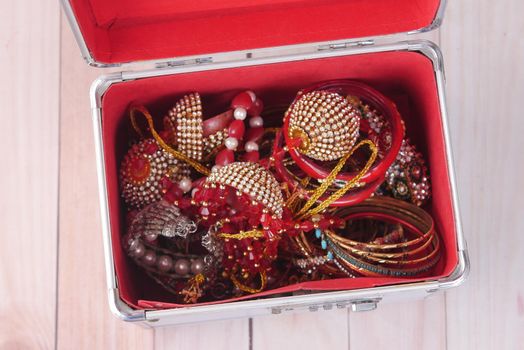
[[355, 196], [377, 101]]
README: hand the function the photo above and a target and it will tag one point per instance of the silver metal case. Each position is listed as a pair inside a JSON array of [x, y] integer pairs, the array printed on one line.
[[359, 299]]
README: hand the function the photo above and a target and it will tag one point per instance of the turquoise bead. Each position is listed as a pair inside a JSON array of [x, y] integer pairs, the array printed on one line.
[[330, 255], [323, 244], [318, 233]]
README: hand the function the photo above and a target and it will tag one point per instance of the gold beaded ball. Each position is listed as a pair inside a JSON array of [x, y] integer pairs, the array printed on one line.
[[252, 179], [144, 170], [326, 123]]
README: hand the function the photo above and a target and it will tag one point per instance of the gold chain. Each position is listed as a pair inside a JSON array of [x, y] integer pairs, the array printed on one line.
[[306, 211], [178, 155], [243, 235], [244, 288]]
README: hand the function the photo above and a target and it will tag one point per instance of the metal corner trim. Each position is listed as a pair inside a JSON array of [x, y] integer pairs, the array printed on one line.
[[459, 275], [99, 87], [437, 20], [122, 310]]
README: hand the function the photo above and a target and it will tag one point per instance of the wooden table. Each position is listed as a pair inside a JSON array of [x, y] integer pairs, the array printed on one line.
[[52, 286]]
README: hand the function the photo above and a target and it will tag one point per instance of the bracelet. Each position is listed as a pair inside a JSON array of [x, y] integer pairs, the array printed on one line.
[[409, 258], [357, 192]]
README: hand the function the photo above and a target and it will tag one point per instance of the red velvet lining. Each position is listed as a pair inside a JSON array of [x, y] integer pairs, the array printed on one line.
[[406, 77], [123, 31]]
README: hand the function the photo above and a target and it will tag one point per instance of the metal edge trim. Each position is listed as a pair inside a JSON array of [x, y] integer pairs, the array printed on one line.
[[68, 10], [116, 305], [86, 54], [282, 303], [291, 57], [437, 20], [461, 271]]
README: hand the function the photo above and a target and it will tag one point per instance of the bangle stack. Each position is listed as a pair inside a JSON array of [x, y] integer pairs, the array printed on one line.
[[416, 250]]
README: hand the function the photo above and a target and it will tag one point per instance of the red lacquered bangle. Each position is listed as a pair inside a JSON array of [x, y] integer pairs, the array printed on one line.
[[374, 99], [355, 196]]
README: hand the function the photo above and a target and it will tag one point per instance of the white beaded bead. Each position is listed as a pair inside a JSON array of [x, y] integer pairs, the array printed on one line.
[[231, 143], [251, 146], [240, 113], [256, 122], [185, 184]]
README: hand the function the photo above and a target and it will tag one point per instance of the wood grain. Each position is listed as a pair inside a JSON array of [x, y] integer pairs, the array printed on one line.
[[84, 320], [308, 330], [484, 52], [212, 335], [29, 96], [406, 325]]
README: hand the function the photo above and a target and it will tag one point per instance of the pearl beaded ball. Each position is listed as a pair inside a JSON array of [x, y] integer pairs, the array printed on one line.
[[326, 123]]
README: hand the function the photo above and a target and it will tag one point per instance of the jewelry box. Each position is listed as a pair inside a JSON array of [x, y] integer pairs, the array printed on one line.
[[274, 47]]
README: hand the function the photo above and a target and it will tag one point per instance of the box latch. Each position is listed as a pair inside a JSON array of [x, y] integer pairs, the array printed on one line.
[[364, 305]]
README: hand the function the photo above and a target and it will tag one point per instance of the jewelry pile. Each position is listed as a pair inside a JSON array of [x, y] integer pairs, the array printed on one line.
[[223, 207]]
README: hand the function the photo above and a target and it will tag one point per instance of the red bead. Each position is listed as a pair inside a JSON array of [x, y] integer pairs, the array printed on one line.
[[243, 99], [324, 224], [150, 148], [224, 157], [265, 219], [277, 225], [256, 108], [253, 156], [306, 226], [165, 184], [173, 194], [184, 203], [236, 129], [139, 169], [254, 134]]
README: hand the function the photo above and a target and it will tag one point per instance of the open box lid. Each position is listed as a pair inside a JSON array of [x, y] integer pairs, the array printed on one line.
[[116, 32]]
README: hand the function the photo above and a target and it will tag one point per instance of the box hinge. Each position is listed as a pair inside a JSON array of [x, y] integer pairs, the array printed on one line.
[[188, 62], [345, 45]]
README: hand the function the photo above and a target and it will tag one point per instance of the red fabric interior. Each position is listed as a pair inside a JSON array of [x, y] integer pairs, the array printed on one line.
[[122, 31], [406, 77]]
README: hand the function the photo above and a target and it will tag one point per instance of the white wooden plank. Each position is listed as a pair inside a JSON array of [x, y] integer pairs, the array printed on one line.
[[307, 330], [212, 335], [484, 52], [84, 319], [29, 95], [406, 325]]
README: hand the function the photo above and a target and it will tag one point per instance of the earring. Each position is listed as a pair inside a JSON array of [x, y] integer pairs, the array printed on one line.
[[323, 125], [147, 171]]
